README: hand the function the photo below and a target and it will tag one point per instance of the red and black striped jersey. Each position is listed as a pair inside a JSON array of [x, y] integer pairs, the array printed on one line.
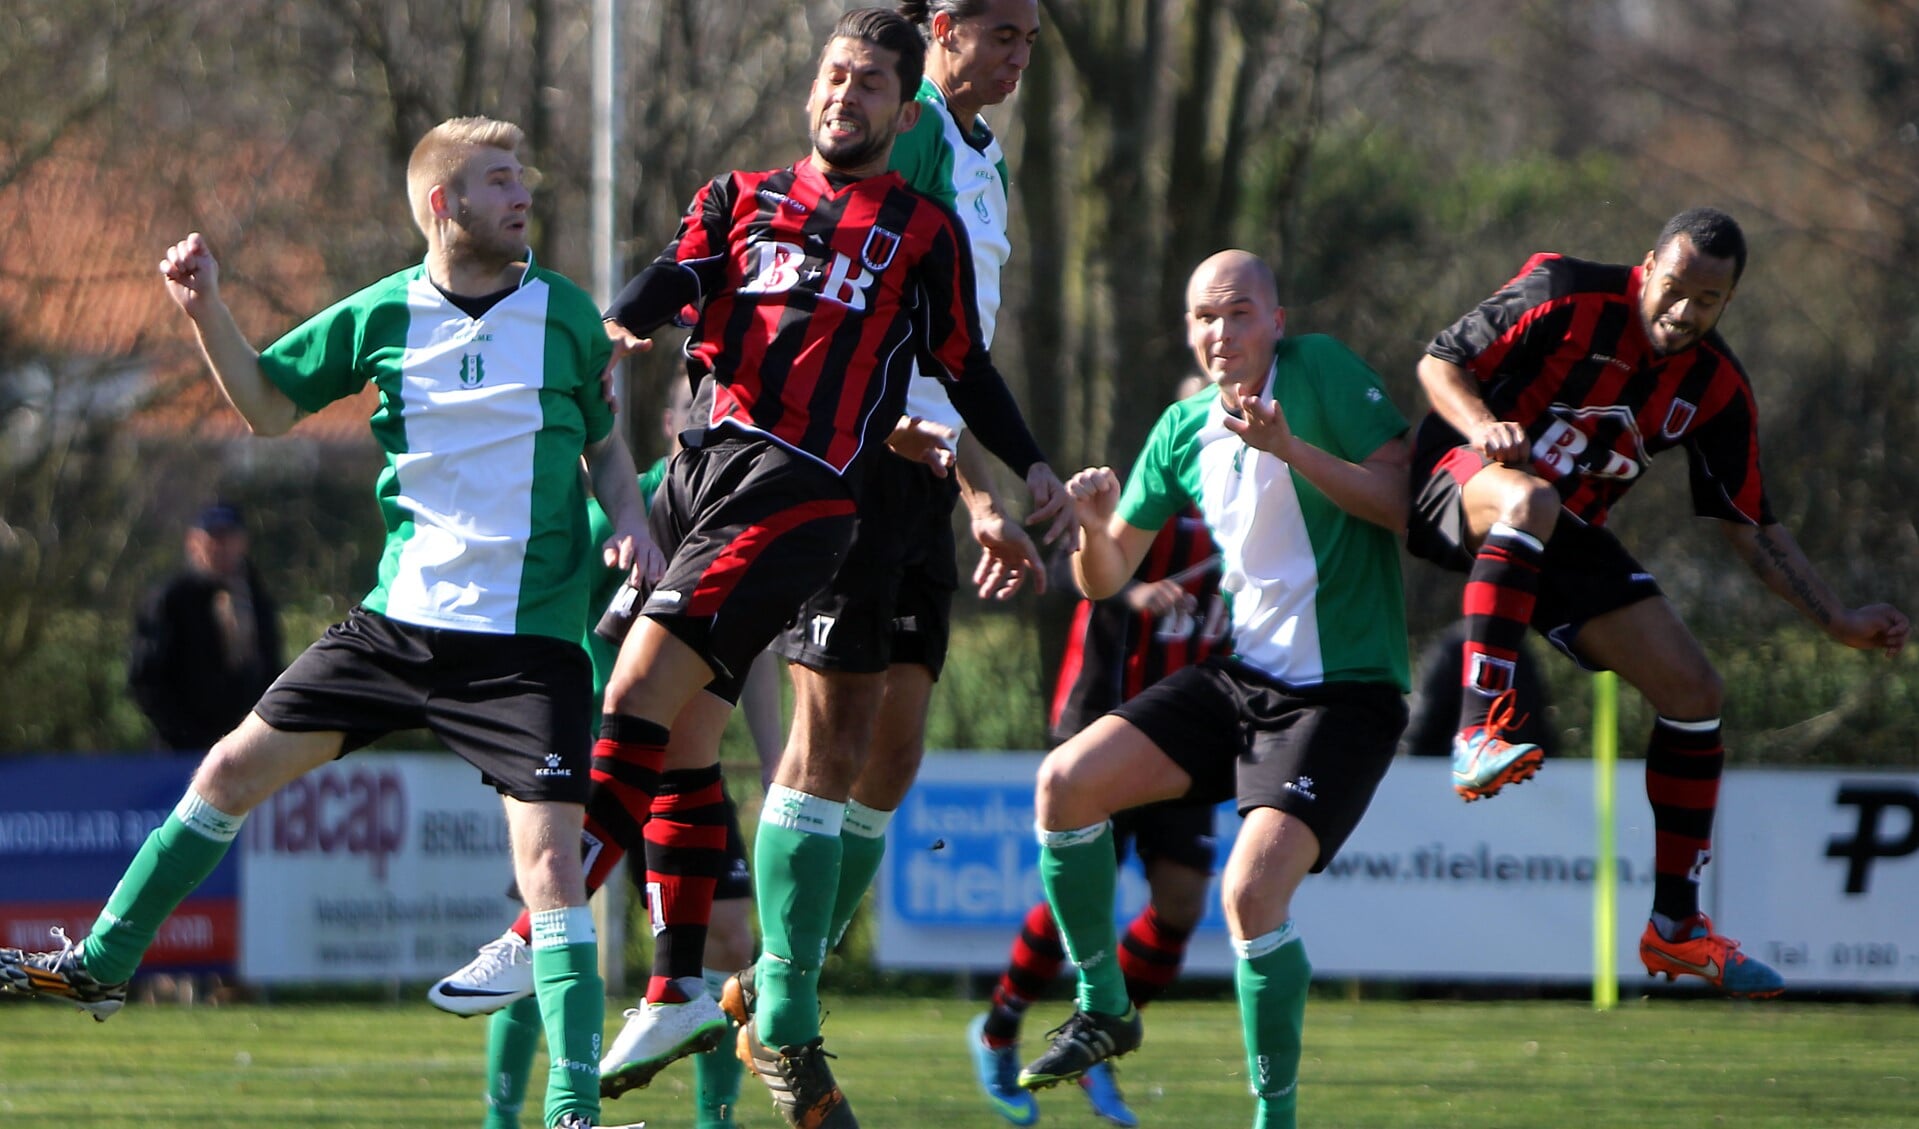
[[1114, 651], [1562, 351], [815, 296]]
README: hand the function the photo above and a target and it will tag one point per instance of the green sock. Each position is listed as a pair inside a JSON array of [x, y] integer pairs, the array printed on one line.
[[716, 1073], [862, 847], [1272, 975], [1079, 870], [512, 1037], [796, 865], [173, 861], [566, 978]]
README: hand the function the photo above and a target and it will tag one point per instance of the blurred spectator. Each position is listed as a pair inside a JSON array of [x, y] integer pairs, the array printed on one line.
[[207, 643]]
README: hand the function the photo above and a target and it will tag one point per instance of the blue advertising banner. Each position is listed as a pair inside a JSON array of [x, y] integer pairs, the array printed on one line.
[[69, 825]]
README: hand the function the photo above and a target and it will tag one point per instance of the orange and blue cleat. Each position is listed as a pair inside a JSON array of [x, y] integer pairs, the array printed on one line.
[[1714, 959], [1484, 761]]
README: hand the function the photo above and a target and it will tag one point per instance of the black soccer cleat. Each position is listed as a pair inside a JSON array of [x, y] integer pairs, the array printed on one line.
[[1086, 1039]]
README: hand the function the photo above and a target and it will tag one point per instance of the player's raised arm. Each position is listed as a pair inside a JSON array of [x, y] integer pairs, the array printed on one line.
[[1454, 395], [193, 281], [610, 467], [1110, 548], [1776, 559], [1375, 489]]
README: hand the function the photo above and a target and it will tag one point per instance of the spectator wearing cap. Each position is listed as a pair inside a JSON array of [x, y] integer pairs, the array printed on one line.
[[207, 642]]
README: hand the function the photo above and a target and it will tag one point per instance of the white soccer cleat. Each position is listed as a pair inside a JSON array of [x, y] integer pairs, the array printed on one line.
[[657, 1035], [501, 974]]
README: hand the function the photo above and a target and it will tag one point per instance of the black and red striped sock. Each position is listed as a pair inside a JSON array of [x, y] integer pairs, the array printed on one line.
[[1684, 760], [1498, 605], [625, 770], [1150, 955], [1035, 961], [685, 858]]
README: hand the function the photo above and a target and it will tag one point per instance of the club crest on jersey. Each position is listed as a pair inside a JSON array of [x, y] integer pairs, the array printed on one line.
[[1678, 418], [880, 247], [472, 370]]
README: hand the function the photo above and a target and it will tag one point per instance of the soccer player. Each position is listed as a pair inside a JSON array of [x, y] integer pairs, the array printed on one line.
[[818, 285], [865, 651], [1549, 401], [1169, 615], [644, 1046], [1298, 462], [489, 370]]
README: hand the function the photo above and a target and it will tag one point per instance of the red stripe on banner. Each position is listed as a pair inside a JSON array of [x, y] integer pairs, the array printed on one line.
[[203, 931], [720, 577]]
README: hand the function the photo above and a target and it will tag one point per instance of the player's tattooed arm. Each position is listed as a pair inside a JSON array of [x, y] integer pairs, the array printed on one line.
[[1777, 560]]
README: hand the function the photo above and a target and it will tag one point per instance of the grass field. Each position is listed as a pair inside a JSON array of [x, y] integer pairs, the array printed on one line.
[[1369, 1065]]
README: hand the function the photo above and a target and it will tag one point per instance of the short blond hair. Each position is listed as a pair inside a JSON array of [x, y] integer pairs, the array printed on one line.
[[441, 157]]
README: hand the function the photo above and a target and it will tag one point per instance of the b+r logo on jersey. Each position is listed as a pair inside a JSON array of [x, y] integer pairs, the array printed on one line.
[[1591, 441]]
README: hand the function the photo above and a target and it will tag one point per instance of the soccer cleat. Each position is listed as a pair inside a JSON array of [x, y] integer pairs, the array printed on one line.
[[1484, 761], [655, 1036], [1714, 959], [1086, 1038], [1102, 1091], [801, 1083], [998, 1072], [58, 975], [582, 1121], [501, 974], [738, 997]]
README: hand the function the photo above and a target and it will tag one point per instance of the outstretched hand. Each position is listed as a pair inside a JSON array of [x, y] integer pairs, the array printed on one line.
[[625, 344], [923, 441], [1875, 627], [1261, 424], [192, 275], [635, 552], [1052, 507], [1007, 558]]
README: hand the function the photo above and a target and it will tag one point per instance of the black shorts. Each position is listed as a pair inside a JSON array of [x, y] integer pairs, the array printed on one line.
[[1585, 573], [1178, 832], [1313, 752], [750, 530], [892, 600], [516, 707]]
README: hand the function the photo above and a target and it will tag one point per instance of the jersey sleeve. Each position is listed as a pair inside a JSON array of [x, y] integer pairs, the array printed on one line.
[[953, 348], [1723, 458], [1356, 411], [689, 270], [1496, 328], [587, 350], [1156, 488], [318, 361], [922, 158]]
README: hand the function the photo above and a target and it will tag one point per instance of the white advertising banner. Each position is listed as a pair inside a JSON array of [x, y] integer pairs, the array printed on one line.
[[380, 866], [1429, 887]]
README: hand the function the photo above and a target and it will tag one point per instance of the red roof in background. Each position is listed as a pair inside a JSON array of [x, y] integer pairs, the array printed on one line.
[[79, 278]]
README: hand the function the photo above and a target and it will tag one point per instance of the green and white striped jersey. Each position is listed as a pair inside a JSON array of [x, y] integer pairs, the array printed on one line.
[[965, 170], [1316, 592], [483, 421]]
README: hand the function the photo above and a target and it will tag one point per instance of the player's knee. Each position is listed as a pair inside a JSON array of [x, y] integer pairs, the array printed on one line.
[[1692, 695], [1059, 794], [1180, 909], [1530, 504]]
